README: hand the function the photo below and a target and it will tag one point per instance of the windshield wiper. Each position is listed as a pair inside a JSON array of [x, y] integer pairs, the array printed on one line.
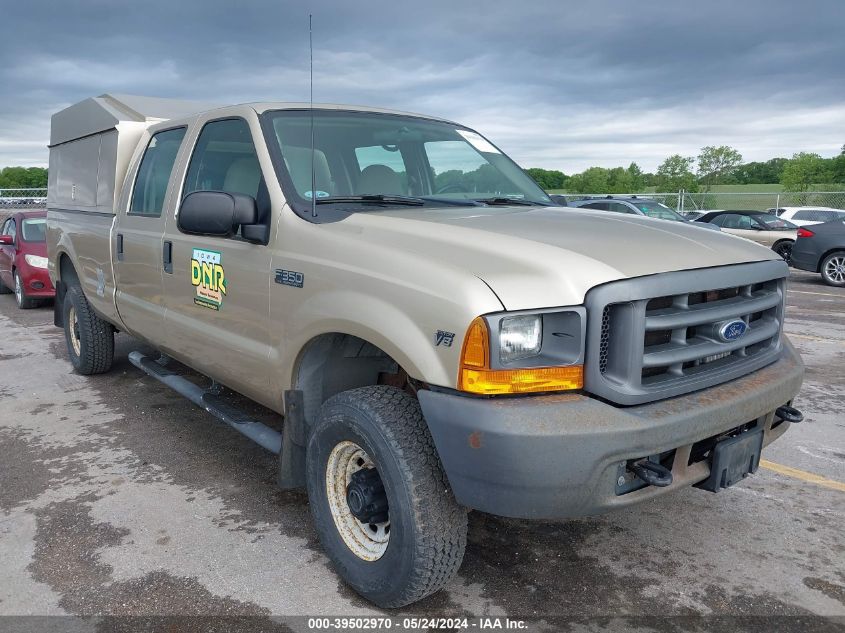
[[468, 202], [506, 201], [378, 198]]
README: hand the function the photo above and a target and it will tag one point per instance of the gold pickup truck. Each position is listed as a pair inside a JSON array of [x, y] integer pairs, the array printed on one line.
[[438, 335]]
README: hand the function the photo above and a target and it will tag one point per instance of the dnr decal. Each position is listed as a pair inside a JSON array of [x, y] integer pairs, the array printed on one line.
[[209, 278]]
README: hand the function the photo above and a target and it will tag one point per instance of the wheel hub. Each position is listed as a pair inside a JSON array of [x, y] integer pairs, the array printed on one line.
[[357, 501], [366, 498]]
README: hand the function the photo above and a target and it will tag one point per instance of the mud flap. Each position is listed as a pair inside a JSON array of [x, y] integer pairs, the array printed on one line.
[[292, 456]]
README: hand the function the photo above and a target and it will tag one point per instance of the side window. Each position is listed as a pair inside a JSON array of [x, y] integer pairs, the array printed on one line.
[[154, 173], [601, 206], [5, 227], [747, 223], [224, 159], [805, 215], [12, 229], [618, 207]]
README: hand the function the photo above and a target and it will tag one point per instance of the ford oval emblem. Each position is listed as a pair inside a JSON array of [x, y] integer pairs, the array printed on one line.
[[732, 330]]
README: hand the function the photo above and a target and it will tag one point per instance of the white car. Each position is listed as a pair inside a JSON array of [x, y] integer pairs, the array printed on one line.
[[803, 216]]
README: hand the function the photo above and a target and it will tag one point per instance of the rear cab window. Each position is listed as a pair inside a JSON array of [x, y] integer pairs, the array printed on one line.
[[154, 173]]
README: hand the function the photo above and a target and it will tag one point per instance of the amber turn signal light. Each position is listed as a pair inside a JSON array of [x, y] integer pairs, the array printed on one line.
[[475, 375]]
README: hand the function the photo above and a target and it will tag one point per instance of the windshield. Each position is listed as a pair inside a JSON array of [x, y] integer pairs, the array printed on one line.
[[384, 157], [656, 210], [34, 230], [774, 223]]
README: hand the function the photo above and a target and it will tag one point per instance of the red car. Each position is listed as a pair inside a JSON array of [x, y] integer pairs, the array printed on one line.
[[23, 258]]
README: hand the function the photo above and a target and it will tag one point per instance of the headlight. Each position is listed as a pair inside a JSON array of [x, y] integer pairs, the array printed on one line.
[[524, 353], [36, 261], [519, 337]]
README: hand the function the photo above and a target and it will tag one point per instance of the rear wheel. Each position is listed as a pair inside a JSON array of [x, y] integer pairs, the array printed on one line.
[[24, 302], [382, 507], [833, 269], [90, 339], [3, 289], [784, 249]]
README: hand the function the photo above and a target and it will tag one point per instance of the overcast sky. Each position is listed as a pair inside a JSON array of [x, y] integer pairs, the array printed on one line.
[[561, 85]]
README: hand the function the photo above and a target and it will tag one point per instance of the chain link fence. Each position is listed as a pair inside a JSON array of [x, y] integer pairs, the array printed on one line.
[[685, 202], [23, 198]]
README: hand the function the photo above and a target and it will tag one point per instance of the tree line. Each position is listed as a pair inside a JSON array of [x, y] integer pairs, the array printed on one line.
[[714, 165], [23, 178]]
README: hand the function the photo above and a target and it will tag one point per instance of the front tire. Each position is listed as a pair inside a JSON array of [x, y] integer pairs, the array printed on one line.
[[90, 339], [833, 269], [24, 302], [415, 546]]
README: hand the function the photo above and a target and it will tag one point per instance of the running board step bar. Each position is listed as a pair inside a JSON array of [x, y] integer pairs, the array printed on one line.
[[256, 431]]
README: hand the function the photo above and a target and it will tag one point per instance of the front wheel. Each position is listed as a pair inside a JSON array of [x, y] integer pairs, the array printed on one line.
[[24, 302], [784, 249], [90, 339], [382, 507], [833, 269]]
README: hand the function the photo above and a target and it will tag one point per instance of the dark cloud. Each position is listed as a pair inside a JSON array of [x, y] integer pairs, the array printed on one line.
[[556, 84]]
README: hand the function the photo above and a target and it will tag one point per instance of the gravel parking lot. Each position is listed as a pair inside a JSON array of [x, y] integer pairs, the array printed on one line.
[[119, 497]]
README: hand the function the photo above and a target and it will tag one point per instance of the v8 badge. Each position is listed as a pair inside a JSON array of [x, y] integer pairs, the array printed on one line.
[[444, 338]]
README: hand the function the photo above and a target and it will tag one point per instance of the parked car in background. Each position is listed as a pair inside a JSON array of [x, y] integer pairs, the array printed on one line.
[[822, 250], [806, 216], [559, 200], [634, 205], [757, 226], [23, 258], [692, 215]]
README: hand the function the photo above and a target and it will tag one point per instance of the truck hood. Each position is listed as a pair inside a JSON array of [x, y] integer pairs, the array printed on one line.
[[533, 257]]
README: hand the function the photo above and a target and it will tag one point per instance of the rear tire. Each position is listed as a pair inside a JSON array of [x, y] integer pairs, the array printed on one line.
[[833, 269], [4, 290], [90, 339], [423, 543], [24, 302]]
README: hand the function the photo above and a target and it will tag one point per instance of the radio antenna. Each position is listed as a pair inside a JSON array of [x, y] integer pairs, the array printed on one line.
[[311, 108]]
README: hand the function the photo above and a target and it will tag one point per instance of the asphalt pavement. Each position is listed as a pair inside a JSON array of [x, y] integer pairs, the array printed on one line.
[[118, 497]]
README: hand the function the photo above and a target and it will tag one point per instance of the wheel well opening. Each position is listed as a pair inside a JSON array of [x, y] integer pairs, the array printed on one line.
[[67, 273], [332, 363]]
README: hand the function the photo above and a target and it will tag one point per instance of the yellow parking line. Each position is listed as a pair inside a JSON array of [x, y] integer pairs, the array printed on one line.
[[821, 294], [803, 475]]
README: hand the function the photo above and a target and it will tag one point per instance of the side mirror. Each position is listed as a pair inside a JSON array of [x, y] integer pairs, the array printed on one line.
[[216, 213], [6, 239]]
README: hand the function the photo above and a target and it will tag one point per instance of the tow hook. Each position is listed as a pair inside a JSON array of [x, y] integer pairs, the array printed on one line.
[[652, 473], [789, 414], [366, 497]]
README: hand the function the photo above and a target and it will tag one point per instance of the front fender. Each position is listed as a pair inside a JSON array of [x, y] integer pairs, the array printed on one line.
[[405, 326]]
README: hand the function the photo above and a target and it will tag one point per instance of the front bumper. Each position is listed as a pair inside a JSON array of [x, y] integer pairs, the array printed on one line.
[[36, 281], [560, 456]]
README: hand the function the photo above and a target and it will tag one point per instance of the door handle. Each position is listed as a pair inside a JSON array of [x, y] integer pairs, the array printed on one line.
[[167, 257], [120, 247]]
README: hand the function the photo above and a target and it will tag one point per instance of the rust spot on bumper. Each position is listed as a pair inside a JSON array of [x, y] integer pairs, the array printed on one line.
[[475, 439]]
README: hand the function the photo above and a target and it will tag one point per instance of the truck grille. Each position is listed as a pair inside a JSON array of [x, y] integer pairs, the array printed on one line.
[[656, 337]]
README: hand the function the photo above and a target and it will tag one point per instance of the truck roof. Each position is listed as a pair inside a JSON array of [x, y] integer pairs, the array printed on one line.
[[99, 114]]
